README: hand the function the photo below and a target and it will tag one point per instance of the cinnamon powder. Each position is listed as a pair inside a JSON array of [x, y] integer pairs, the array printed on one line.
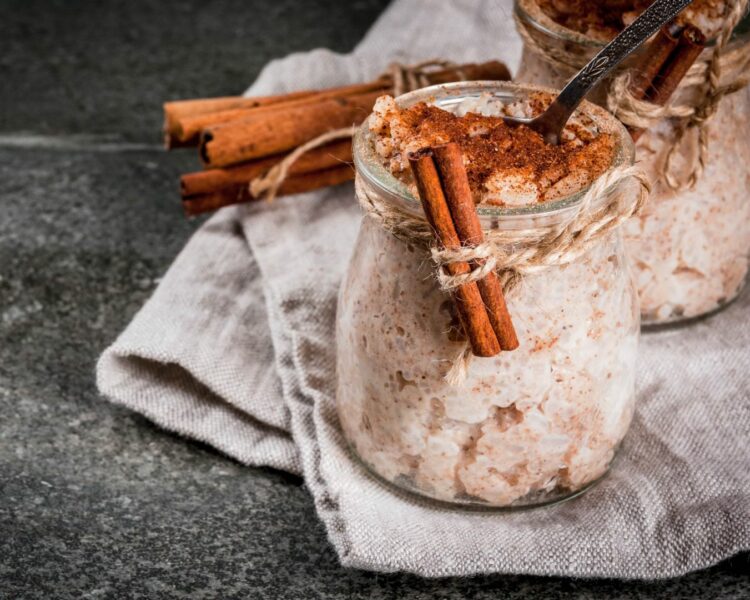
[[490, 147], [604, 19]]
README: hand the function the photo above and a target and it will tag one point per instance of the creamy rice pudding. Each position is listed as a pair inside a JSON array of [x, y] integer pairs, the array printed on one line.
[[506, 166]]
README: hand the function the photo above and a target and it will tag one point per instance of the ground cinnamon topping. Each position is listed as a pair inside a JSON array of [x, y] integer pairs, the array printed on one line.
[[506, 165], [604, 19]]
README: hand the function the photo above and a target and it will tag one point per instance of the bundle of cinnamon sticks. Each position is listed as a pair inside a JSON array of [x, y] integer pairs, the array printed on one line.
[[448, 204], [240, 139]]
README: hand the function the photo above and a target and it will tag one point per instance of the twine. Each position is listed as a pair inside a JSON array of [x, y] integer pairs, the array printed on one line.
[[515, 254], [705, 75], [270, 183], [403, 78]]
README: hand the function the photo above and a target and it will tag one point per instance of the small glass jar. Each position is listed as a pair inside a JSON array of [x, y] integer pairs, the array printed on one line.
[[690, 248], [526, 427]]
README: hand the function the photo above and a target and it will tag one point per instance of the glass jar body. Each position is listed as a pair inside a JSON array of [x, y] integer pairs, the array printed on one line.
[[690, 248], [525, 427]]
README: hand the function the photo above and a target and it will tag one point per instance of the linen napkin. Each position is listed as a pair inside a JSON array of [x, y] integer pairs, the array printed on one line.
[[236, 349]]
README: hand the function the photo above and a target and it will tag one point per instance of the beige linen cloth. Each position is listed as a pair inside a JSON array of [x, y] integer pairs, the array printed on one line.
[[236, 349]]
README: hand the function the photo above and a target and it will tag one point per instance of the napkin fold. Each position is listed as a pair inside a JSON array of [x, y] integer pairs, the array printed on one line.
[[236, 348]]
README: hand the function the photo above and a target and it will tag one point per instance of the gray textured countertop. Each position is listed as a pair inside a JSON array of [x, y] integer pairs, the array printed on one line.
[[96, 502]]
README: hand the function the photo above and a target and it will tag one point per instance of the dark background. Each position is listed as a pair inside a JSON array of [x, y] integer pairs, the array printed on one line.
[[95, 501]]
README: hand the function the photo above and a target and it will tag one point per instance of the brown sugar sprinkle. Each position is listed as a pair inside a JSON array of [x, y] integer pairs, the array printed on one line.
[[604, 19], [490, 147]]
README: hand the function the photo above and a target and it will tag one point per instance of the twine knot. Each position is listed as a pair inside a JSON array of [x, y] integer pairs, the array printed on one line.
[[443, 257]]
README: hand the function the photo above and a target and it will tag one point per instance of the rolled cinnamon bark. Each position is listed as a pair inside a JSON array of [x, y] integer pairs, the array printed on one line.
[[684, 51], [467, 298], [178, 111], [689, 47], [654, 57], [212, 180], [296, 184], [279, 131], [187, 129], [450, 163]]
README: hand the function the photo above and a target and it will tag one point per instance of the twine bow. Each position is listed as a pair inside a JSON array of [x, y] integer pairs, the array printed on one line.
[[515, 254]]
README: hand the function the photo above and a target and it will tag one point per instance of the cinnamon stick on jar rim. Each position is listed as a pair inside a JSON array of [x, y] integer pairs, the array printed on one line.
[[468, 300], [450, 164], [689, 47], [670, 61], [654, 57]]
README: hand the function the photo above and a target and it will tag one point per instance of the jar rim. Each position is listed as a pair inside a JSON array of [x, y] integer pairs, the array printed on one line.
[[370, 166], [529, 12]]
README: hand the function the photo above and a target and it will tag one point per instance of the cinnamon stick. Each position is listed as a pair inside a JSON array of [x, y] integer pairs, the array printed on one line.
[[295, 184], [212, 180], [256, 137], [654, 56], [450, 164], [186, 129], [176, 111], [467, 298], [684, 51], [689, 47]]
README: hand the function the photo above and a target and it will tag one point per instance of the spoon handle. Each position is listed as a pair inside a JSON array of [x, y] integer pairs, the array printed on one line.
[[629, 39]]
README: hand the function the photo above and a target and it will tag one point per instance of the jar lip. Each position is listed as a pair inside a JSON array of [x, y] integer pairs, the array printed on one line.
[[528, 11], [369, 165]]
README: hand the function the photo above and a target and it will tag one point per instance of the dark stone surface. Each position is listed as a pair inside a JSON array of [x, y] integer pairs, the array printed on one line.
[[96, 502], [98, 66]]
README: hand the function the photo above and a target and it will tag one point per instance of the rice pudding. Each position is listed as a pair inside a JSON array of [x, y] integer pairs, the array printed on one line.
[[525, 427]]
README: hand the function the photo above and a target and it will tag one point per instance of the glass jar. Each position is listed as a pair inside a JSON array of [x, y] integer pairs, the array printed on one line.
[[689, 248], [526, 427]]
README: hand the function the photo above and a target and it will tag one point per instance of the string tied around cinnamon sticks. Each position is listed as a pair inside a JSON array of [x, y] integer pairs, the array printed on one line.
[[445, 257], [403, 78], [544, 248], [267, 185], [508, 255]]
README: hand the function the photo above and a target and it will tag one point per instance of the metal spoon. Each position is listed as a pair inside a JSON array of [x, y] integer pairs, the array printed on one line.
[[552, 121]]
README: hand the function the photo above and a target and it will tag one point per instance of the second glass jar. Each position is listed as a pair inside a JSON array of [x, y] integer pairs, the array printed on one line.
[[689, 248]]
